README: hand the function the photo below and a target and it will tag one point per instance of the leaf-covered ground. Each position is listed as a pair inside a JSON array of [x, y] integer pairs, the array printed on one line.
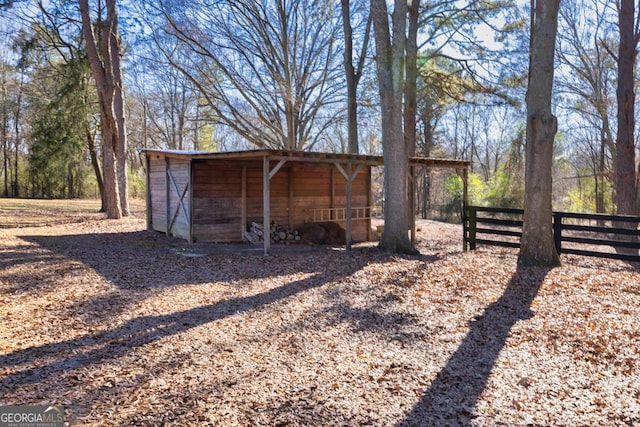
[[124, 326]]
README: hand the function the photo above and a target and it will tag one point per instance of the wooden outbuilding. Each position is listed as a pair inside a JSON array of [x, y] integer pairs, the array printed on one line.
[[213, 197]]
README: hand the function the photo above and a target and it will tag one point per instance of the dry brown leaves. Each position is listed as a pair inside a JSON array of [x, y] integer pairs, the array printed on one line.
[[128, 327]]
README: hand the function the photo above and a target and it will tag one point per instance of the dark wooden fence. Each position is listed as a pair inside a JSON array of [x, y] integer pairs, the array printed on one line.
[[573, 233]]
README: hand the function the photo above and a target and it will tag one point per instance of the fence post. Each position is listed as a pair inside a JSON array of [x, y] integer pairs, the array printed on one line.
[[472, 227], [465, 227], [557, 231]]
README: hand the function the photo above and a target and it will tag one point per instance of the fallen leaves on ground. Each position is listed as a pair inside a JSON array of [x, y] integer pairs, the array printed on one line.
[[125, 326]]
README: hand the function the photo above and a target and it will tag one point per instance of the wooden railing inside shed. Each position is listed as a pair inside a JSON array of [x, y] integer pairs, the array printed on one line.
[[503, 227]]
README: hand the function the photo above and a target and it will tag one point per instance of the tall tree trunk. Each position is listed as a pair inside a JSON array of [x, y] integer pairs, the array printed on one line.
[[287, 74], [410, 99], [599, 174], [110, 180], [70, 182], [537, 245], [353, 74], [352, 104], [5, 164], [625, 148], [5, 136], [606, 144], [426, 194], [196, 127], [103, 74], [121, 148], [626, 179], [411, 83], [16, 123], [91, 145], [426, 117], [390, 61], [15, 192]]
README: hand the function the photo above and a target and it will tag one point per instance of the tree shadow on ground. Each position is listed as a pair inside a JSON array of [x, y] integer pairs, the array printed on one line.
[[22, 254], [96, 348], [454, 393], [385, 313], [139, 264], [126, 258], [46, 362]]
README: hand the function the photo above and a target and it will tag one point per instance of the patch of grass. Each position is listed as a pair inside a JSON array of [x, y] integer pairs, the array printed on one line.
[[20, 213]]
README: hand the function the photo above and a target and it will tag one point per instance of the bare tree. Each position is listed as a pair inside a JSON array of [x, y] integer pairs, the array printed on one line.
[[390, 60], [104, 51], [353, 73], [115, 50], [411, 76], [589, 81], [626, 180], [166, 102], [537, 245], [14, 92], [269, 69], [4, 122]]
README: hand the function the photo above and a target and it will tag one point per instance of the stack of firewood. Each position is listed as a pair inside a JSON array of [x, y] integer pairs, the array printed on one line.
[[280, 234], [254, 233], [277, 234]]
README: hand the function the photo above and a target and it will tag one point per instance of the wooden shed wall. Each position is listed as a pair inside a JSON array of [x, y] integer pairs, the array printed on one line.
[[324, 187], [158, 193], [170, 194], [217, 198], [219, 186]]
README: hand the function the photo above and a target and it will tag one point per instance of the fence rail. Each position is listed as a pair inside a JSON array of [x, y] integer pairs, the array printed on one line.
[[503, 227]]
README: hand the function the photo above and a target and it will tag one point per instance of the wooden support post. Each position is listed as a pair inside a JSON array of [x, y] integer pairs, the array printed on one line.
[[465, 229], [167, 196], [369, 203], [243, 203], [291, 195], [349, 175], [148, 193], [190, 189], [465, 204], [557, 231], [332, 194], [348, 212], [412, 203], [266, 226], [472, 227]]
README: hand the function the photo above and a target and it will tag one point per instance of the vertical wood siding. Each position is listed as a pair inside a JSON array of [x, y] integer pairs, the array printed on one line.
[[218, 202]]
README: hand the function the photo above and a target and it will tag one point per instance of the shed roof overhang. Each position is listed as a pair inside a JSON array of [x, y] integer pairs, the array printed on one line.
[[303, 156]]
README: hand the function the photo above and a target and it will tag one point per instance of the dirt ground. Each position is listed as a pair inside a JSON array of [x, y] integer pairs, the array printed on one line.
[[124, 326]]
